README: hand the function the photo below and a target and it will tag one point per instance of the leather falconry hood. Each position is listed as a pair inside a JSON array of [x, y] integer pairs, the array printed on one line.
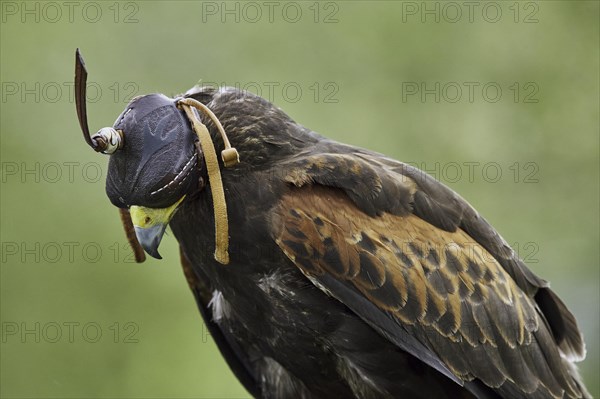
[[155, 129], [156, 149]]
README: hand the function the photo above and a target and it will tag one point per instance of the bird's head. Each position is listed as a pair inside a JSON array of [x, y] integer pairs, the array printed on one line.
[[154, 160], [155, 166]]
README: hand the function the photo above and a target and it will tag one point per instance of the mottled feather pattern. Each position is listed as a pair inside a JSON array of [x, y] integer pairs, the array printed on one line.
[[445, 209], [442, 285]]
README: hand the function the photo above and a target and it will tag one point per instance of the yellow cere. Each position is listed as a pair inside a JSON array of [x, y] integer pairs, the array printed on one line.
[[148, 217]]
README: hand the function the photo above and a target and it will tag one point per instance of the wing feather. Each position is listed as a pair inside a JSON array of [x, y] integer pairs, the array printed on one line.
[[451, 303]]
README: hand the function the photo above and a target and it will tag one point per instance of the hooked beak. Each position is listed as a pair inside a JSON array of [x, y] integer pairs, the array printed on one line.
[[150, 238], [150, 225]]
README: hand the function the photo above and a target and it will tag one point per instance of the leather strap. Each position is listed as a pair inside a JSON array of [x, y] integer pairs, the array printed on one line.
[[230, 158]]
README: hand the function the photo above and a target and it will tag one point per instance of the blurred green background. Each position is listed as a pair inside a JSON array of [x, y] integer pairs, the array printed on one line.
[[79, 320]]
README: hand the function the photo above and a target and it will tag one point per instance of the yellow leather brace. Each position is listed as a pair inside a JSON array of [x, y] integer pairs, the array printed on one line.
[[230, 158]]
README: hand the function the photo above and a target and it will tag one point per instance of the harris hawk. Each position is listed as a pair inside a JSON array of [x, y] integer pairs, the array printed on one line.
[[324, 270]]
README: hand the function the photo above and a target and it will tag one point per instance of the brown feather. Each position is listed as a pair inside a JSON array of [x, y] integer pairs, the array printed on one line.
[[440, 284]]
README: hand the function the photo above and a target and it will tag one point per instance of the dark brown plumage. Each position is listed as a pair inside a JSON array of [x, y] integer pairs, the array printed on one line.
[[355, 275], [444, 288]]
